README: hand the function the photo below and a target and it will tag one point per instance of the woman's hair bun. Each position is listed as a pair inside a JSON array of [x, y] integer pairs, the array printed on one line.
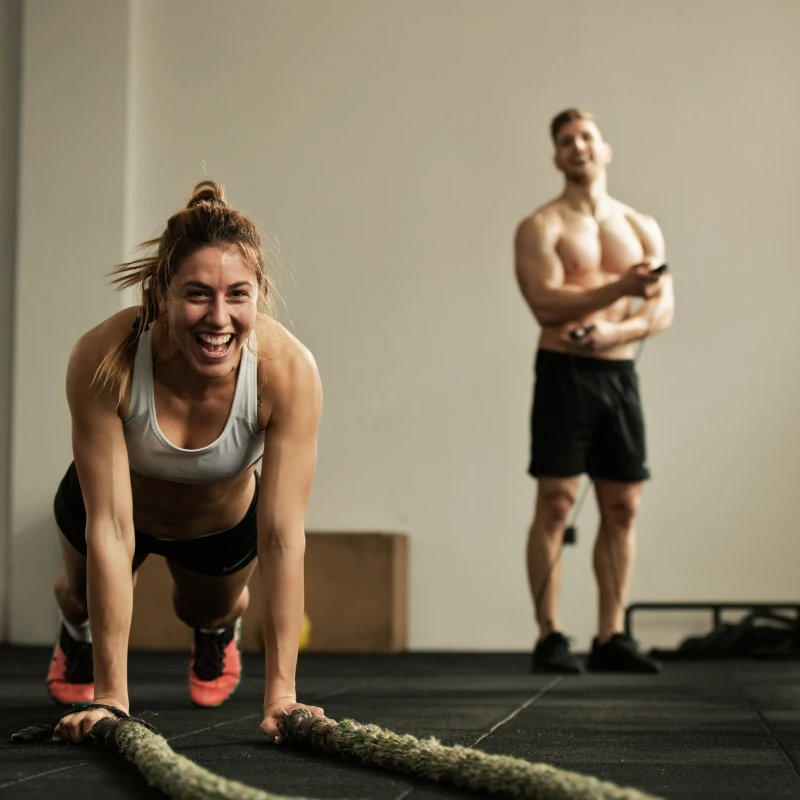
[[207, 192]]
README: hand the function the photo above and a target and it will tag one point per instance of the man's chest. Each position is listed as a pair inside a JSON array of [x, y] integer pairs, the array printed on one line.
[[589, 246]]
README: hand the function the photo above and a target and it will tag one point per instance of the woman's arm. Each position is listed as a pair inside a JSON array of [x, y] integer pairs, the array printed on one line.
[[102, 462], [290, 451]]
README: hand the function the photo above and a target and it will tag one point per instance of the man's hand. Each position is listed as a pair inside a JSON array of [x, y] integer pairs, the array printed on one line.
[[600, 335], [74, 728], [277, 710], [639, 281]]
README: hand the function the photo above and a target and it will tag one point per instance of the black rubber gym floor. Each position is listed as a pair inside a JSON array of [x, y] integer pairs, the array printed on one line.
[[722, 729]]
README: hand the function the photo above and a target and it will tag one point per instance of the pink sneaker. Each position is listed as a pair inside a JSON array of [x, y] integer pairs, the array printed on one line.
[[70, 678], [216, 666]]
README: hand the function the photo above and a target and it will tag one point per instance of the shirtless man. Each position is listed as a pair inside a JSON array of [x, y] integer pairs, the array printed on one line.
[[581, 262]]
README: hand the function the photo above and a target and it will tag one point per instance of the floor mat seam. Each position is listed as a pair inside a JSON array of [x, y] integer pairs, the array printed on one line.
[[764, 724], [42, 774], [774, 738], [529, 702]]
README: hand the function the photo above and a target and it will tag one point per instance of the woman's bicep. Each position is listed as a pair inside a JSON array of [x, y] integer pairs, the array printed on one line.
[[290, 452], [99, 451]]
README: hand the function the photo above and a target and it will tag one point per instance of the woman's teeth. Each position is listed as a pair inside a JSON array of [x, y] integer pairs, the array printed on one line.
[[214, 344]]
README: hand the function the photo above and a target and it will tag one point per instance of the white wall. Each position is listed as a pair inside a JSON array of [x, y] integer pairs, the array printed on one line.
[[10, 33], [71, 213], [389, 151]]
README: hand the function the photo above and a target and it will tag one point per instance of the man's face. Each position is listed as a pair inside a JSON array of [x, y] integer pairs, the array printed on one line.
[[581, 154]]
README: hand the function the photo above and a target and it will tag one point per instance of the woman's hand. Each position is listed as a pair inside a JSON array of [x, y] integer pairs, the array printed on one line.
[[279, 708], [74, 728]]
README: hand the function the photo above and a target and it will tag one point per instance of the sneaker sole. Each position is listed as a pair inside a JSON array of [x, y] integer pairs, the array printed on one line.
[[217, 705]]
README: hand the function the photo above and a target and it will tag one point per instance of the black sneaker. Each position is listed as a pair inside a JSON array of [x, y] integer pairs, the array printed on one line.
[[70, 678], [216, 666], [620, 654], [552, 654]]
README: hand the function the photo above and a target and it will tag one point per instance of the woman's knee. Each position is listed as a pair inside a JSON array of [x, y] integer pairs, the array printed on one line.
[[70, 594], [211, 610]]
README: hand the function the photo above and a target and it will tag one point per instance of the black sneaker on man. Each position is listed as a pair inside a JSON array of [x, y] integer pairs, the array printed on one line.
[[620, 654], [552, 654]]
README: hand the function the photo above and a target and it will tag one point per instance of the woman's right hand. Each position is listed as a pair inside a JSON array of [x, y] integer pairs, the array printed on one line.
[[74, 728]]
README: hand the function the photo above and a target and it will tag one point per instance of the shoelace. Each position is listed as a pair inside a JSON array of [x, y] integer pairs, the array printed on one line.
[[209, 655], [80, 667]]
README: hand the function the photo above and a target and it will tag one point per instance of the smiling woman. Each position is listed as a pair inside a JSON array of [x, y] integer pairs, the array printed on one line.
[[212, 243], [173, 404]]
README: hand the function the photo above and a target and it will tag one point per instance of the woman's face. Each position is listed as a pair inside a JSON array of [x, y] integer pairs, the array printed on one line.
[[211, 308]]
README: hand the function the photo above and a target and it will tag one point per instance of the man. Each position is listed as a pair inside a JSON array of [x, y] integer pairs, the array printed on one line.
[[581, 262]]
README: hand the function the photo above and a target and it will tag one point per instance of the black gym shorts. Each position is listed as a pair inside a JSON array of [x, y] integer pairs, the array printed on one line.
[[587, 417], [218, 554]]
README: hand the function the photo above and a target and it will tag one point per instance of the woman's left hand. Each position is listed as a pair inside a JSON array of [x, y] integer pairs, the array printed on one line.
[[277, 710]]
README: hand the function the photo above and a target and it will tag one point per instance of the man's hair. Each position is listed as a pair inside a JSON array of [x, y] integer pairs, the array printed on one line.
[[565, 117]]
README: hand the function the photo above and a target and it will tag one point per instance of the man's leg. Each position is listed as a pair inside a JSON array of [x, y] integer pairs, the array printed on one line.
[[619, 468], [559, 443], [555, 498], [614, 552]]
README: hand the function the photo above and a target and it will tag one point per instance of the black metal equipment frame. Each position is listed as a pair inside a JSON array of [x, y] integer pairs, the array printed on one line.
[[715, 607]]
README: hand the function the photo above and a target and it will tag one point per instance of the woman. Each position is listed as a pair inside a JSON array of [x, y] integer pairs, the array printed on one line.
[[173, 403]]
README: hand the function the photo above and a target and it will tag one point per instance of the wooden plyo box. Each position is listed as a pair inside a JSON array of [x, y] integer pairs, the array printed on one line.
[[357, 592], [356, 598]]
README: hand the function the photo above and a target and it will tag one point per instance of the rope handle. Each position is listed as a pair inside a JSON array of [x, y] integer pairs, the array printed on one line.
[[43, 733]]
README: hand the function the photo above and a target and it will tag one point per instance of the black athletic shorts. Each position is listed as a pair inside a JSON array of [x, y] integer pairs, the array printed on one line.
[[221, 553], [587, 417]]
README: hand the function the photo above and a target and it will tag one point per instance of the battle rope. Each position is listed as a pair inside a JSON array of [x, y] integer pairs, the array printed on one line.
[[506, 776], [460, 766]]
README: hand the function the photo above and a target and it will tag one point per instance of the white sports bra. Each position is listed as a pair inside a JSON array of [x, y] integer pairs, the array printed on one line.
[[238, 447]]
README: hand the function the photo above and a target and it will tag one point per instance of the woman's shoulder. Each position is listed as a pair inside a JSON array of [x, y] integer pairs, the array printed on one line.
[[96, 351], [284, 362], [98, 341]]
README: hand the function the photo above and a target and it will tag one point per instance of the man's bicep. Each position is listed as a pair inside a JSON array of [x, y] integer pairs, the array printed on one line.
[[538, 265], [652, 240]]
